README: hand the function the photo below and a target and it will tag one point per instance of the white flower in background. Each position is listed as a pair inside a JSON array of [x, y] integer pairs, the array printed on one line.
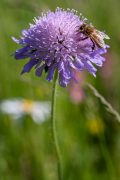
[[17, 108]]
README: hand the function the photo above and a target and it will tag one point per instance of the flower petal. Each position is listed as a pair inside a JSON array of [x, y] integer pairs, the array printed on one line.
[[29, 66], [40, 70]]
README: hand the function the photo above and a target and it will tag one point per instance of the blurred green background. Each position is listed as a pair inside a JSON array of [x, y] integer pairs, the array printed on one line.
[[89, 136]]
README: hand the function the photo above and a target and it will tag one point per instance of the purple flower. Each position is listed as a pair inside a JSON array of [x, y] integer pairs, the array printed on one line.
[[55, 42]]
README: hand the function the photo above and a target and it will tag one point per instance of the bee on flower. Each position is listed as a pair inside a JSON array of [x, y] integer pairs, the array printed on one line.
[[61, 41], [97, 37]]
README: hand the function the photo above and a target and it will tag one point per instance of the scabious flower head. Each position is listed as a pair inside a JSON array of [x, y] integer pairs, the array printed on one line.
[[54, 42]]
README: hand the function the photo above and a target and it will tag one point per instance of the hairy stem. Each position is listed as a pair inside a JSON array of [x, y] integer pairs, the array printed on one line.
[[53, 125]]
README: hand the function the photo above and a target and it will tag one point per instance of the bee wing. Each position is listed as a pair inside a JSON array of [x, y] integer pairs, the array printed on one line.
[[99, 40], [102, 35]]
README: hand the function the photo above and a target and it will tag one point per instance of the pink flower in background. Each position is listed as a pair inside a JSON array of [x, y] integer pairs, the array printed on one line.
[[76, 91], [106, 71]]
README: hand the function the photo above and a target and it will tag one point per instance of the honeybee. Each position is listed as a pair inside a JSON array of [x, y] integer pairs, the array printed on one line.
[[97, 37]]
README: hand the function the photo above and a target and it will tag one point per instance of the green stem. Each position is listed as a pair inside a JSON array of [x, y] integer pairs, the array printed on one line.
[[53, 126]]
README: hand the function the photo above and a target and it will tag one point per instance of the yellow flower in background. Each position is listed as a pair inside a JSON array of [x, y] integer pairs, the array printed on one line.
[[95, 126]]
